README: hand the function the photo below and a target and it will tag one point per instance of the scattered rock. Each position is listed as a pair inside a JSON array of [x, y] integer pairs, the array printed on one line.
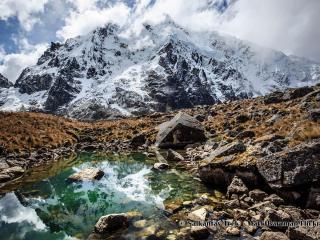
[[237, 186], [174, 156], [246, 134], [277, 216], [138, 140], [275, 199], [315, 114], [140, 223], [275, 97], [233, 231], [200, 117], [179, 132], [242, 118], [273, 236], [111, 223], [257, 195], [297, 93], [160, 166], [304, 233], [232, 148], [198, 232], [314, 198], [198, 215], [88, 174]]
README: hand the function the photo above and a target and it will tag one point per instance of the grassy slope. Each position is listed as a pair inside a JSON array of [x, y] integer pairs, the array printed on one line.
[[30, 131]]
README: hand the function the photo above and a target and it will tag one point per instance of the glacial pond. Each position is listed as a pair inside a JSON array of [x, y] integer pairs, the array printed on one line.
[[44, 206]]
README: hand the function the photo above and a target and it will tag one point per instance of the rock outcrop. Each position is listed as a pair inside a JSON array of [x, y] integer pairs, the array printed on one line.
[[4, 82]]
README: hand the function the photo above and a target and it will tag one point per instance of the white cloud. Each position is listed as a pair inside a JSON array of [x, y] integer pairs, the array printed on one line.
[[291, 26], [87, 16], [25, 11], [13, 63]]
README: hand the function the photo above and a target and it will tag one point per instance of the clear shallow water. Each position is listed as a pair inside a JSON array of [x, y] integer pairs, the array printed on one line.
[[47, 207]]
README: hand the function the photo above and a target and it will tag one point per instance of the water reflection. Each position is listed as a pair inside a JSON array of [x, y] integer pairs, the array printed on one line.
[[53, 209]]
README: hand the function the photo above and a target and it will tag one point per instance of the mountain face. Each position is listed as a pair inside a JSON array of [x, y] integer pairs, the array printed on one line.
[[4, 82], [112, 72]]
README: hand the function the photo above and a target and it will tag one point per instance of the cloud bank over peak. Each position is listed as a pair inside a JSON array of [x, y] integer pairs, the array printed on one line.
[[290, 26]]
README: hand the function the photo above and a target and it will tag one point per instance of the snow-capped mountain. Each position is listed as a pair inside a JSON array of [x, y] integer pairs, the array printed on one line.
[[117, 72]]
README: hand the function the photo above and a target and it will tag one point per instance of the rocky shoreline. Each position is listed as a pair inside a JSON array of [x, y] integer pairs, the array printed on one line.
[[265, 154]]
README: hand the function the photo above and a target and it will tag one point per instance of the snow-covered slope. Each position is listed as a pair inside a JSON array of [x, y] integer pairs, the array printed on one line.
[[110, 72]]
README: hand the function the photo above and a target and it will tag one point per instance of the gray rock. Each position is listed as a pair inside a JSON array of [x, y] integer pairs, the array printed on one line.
[[314, 198], [304, 233], [315, 114], [198, 232], [297, 93], [88, 174], [198, 215], [161, 166], [179, 132], [174, 156], [4, 82], [237, 186], [257, 195], [273, 236], [111, 223], [138, 140], [275, 199], [292, 167], [232, 148], [274, 216], [242, 118], [275, 97]]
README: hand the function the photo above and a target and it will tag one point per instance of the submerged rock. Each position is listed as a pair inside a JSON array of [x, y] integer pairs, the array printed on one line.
[[88, 174], [111, 223], [179, 132]]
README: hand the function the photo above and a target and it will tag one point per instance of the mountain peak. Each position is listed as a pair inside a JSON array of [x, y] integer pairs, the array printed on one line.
[[108, 73]]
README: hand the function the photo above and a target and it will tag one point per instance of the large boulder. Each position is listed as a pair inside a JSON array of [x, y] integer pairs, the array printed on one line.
[[305, 232], [111, 222], [179, 132], [290, 168], [88, 174]]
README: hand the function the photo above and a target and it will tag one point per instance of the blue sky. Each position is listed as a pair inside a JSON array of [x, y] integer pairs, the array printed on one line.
[[28, 26]]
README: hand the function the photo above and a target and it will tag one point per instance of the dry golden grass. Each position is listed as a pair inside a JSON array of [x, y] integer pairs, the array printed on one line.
[[35, 130]]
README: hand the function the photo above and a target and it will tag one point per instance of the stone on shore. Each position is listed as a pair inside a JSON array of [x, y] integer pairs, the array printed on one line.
[[111, 222], [161, 166], [88, 174]]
